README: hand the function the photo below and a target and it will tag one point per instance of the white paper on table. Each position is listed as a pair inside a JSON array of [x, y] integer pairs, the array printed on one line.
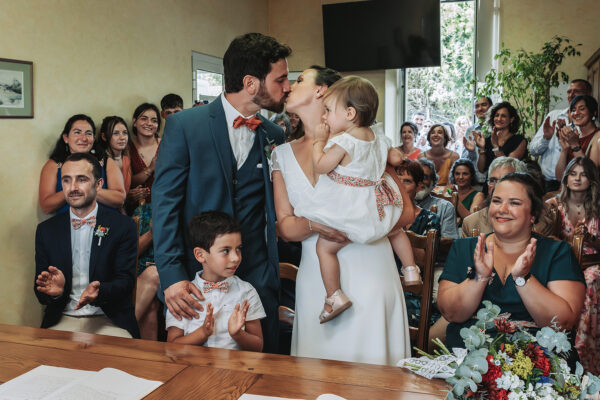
[[53, 383], [329, 396], [40, 382], [246, 396]]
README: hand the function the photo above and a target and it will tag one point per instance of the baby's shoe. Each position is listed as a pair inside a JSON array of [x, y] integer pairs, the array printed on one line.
[[412, 275], [339, 303]]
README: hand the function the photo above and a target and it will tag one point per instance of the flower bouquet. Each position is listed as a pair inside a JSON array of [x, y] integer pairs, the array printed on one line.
[[513, 365]]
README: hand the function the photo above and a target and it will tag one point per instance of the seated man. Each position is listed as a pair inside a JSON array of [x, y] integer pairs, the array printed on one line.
[[170, 104], [425, 200], [85, 259], [479, 220]]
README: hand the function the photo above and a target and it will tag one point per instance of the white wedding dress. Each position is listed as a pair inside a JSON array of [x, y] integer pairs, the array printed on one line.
[[375, 329]]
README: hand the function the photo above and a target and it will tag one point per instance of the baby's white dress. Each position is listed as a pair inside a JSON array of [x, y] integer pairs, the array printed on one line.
[[354, 209]]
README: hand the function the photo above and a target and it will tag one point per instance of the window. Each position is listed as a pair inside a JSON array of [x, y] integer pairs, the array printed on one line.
[[207, 77]]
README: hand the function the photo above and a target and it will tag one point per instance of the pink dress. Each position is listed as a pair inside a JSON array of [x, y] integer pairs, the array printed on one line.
[[587, 340]]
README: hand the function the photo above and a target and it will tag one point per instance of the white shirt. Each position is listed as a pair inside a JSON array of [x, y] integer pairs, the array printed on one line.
[[241, 138], [548, 150], [223, 305], [474, 155], [81, 247]]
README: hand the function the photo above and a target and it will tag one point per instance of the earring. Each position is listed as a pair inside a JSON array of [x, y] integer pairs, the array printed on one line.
[[68, 150]]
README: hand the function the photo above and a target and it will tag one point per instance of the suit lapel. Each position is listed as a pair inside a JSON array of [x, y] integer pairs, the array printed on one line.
[[100, 220], [220, 135]]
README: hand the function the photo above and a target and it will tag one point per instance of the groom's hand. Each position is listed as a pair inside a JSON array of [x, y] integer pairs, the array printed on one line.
[[180, 301]]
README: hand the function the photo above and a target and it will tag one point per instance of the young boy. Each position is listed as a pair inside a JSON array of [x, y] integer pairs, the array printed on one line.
[[170, 104], [233, 308]]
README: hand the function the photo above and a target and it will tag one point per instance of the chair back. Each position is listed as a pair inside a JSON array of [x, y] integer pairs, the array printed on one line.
[[287, 271], [554, 216], [584, 260], [424, 250]]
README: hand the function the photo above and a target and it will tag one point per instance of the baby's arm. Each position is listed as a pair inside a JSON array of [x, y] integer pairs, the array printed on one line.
[[395, 156], [199, 336], [324, 163], [251, 338]]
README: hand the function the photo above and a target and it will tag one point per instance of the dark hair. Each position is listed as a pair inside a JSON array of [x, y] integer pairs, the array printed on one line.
[[429, 164], [533, 189], [140, 110], [205, 227], [412, 168], [171, 100], [513, 127], [96, 168], [358, 93], [418, 113], [251, 54], [61, 149], [489, 100], [452, 130], [446, 137], [325, 76], [534, 169], [587, 84], [464, 162], [107, 128], [590, 103], [412, 126], [592, 197]]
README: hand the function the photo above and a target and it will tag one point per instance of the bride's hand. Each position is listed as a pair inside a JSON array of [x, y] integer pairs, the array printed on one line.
[[333, 235]]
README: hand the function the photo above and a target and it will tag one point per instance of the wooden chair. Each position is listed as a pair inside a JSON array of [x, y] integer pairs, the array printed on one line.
[[424, 249], [287, 271], [584, 260], [549, 195]]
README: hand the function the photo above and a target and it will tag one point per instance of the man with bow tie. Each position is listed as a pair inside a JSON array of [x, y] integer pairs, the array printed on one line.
[[85, 259], [217, 157]]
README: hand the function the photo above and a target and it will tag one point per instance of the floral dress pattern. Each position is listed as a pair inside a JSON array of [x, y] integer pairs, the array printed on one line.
[[587, 341]]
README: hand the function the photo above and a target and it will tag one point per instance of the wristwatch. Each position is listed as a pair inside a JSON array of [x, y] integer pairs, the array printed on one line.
[[495, 149], [522, 280]]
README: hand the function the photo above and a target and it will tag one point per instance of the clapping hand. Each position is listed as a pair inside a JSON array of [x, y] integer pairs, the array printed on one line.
[[494, 137], [483, 260], [525, 260], [569, 136], [469, 143], [138, 193], [90, 293], [51, 282], [479, 139], [549, 128], [237, 320], [209, 321]]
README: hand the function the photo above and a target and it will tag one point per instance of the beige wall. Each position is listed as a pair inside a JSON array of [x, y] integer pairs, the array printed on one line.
[[529, 24], [101, 58]]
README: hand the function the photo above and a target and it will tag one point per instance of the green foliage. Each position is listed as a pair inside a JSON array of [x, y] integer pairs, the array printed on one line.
[[525, 79]]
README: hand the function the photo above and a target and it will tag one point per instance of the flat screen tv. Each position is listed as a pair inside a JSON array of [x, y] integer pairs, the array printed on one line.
[[382, 34]]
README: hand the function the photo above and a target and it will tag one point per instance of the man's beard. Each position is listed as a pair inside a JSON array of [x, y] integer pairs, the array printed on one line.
[[265, 101], [421, 194]]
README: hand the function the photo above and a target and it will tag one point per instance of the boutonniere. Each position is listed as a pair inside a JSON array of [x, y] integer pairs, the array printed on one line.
[[269, 146], [101, 231]]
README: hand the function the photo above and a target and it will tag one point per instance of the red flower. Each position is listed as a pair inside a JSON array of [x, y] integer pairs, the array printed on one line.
[[544, 364], [501, 394], [102, 229], [494, 371], [503, 325]]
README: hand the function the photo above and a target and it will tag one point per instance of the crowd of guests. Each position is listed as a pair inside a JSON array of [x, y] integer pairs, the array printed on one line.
[[479, 180]]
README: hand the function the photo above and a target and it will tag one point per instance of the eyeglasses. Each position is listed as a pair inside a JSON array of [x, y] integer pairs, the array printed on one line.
[[493, 180]]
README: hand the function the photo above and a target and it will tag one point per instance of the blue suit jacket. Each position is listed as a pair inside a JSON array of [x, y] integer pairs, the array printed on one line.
[[193, 174], [112, 264]]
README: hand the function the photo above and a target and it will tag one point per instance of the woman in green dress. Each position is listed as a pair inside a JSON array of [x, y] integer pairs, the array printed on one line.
[[462, 175], [532, 277]]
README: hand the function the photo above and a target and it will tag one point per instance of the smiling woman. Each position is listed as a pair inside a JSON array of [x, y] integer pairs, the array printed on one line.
[[78, 137], [534, 278], [442, 157]]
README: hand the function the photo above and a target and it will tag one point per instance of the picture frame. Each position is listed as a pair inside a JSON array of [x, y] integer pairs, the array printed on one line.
[[16, 88]]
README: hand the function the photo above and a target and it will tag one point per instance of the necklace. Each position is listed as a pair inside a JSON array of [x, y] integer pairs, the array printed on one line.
[[579, 208]]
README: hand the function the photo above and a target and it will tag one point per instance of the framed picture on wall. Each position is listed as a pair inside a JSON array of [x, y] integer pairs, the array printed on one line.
[[16, 88]]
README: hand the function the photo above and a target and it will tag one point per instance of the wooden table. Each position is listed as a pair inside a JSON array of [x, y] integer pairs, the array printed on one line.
[[197, 372]]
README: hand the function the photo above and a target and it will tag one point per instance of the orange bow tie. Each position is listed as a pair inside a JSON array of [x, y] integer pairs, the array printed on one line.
[[252, 122], [77, 223], [223, 286]]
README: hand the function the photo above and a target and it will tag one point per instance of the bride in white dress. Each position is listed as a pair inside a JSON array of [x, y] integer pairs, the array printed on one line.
[[375, 329]]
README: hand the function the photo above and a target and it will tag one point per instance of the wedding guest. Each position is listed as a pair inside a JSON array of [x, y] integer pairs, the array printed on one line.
[[170, 104], [114, 138], [532, 277], [297, 127], [545, 142], [584, 138], [284, 122], [441, 157], [425, 200], [462, 175], [84, 258], [482, 105], [504, 122], [408, 134], [78, 137], [143, 148], [579, 207]]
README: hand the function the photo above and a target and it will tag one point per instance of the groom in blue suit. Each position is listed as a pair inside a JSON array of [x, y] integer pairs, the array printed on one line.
[[217, 157]]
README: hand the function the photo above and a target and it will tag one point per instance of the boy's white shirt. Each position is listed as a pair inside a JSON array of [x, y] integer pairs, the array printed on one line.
[[223, 305]]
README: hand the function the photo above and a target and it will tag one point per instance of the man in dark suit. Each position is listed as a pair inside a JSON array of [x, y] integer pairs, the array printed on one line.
[[217, 157], [85, 259]]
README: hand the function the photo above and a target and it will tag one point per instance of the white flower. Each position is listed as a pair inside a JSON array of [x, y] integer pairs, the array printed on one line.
[[509, 381], [517, 396]]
